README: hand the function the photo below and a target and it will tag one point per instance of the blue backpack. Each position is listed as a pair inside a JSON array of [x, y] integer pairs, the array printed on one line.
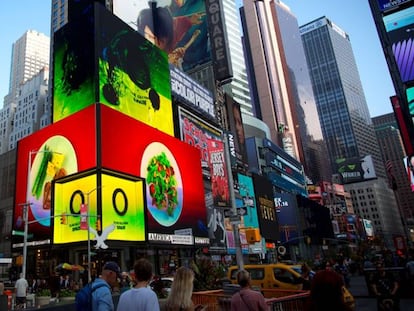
[[83, 299]]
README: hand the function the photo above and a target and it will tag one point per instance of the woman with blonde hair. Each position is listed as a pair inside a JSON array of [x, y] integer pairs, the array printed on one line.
[[179, 298]]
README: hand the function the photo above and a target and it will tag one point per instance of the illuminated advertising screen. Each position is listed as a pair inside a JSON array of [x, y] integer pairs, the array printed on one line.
[[385, 5], [400, 30], [119, 215], [131, 74], [208, 139], [53, 152], [177, 27], [234, 117], [172, 170], [355, 169], [266, 210], [287, 214], [247, 203]]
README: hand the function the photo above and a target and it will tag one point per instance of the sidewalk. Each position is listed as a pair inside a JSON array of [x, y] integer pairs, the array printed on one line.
[[359, 286]]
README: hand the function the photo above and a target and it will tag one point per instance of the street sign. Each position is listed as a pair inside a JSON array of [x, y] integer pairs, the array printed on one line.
[[235, 219], [21, 233]]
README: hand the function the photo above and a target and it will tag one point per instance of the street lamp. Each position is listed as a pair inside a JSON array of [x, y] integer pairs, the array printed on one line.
[[26, 207]]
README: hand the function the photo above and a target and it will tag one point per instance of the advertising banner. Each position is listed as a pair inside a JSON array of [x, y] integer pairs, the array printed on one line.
[[399, 27], [172, 170], [263, 190], [235, 121], [287, 215], [115, 208], [132, 75], [356, 169], [53, 152], [177, 27]]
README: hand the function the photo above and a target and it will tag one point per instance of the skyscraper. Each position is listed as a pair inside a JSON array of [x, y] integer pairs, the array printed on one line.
[[286, 102], [340, 99], [30, 54]]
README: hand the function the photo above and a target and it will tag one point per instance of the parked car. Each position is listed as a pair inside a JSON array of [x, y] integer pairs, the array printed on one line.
[[162, 286]]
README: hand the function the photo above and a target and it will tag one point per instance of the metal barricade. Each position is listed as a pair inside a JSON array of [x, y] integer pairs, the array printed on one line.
[[277, 300]]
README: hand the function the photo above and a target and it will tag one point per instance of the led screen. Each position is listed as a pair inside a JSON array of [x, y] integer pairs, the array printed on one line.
[[172, 169], [287, 214], [109, 62], [355, 169], [389, 4], [180, 28], [120, 215], [53, 152], [400, 30]]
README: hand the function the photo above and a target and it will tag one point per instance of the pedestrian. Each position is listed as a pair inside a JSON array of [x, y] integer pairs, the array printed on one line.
[[102, 295], [179, 299], [410, 270], [305, 276], [21, 287], [246, 299], [327, 292], [385, 287], [140, 297]]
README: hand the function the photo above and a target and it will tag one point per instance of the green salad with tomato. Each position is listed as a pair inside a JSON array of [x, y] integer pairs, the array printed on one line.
[[162, 183]]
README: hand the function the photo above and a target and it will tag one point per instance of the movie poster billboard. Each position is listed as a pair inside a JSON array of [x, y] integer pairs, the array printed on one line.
[[208, 139], [174, 189], [110, 63], [266, 210], [177, 27], [235, 121], [53, 152]]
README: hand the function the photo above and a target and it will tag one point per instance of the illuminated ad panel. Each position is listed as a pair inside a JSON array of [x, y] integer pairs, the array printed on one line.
[[174, 185], [400, 30], [234, 117], [385, 5], [121, 212], [247, 203], [266, 208], [208, 139], [287, 214], [131, 74], [74, 84], [355, 169], [53, 152], [180, 30]]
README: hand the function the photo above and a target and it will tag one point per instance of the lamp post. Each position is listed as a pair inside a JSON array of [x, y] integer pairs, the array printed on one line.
[[89, 234], [26, 207]]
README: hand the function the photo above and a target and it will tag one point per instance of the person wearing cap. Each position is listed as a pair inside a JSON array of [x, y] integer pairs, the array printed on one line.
[[140, 297], [101, 294]]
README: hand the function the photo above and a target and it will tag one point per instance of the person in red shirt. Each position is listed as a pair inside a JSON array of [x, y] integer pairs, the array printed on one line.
[[247, 299]]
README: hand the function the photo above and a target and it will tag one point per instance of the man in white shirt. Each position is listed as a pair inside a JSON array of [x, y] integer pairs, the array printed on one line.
[[21, 287]]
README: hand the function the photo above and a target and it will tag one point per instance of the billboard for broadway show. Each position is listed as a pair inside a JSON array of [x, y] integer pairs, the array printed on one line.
[[355, 169]]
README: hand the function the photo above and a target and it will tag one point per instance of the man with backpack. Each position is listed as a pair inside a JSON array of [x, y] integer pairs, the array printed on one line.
[[97, 296]]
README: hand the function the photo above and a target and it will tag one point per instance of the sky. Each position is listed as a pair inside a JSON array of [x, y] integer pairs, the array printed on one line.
[[352, 16]]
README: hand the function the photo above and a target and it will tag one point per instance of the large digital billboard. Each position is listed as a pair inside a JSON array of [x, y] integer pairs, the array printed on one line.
[[53, 152], [109, 62], [172, 170], [385, 5], [355, 169], [177, 27], [400, 29], [114, 203], [287, 214], [266, 210]]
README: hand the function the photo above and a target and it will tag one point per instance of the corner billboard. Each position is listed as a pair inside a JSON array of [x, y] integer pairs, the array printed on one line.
[[355, 169], [108, 62]]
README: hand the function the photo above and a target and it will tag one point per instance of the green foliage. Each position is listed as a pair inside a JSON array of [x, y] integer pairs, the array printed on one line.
[[67, 293], [41, 292], [208, 274]]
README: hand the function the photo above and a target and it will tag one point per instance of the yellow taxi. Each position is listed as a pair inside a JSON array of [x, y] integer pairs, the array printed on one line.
[[267, 276]]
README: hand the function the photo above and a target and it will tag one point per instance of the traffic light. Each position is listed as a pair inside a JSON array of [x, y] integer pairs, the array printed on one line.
[[63, 219], [98, 224]]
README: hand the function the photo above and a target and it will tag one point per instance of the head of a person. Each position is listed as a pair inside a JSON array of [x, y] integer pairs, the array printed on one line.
[[380, 267], [143, 270], [111, 272], [243, 278], [181, 290], [305, 268], [156, 25], [327, 290]]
